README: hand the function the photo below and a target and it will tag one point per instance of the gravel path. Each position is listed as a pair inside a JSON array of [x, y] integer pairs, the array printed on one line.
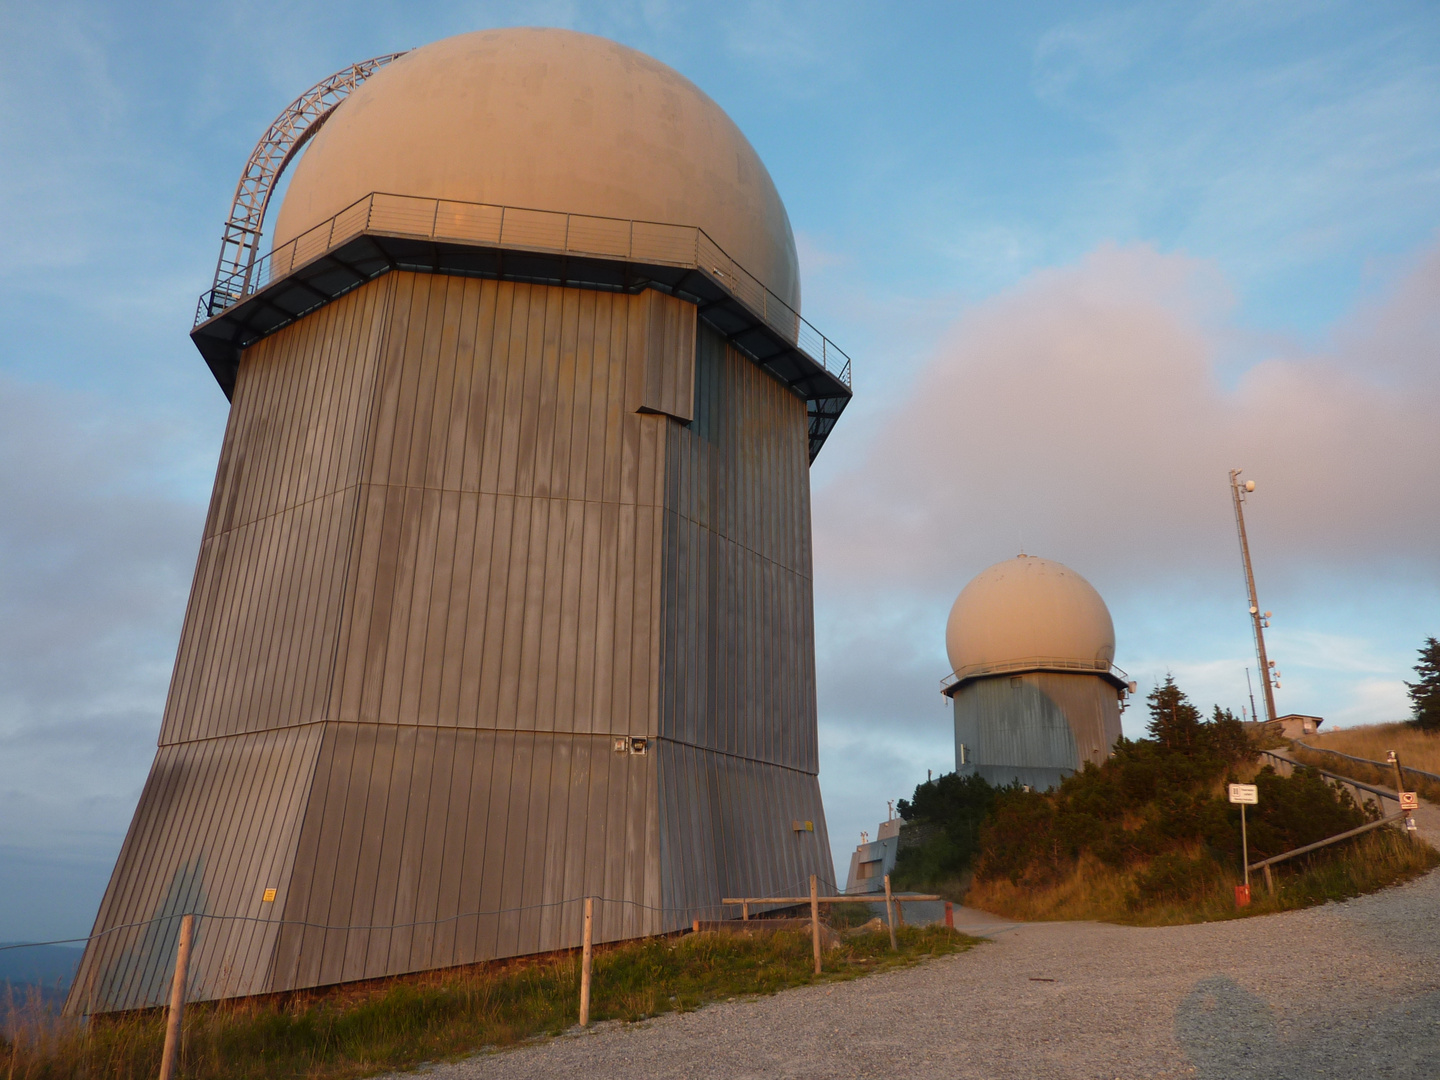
[[1344, 990]]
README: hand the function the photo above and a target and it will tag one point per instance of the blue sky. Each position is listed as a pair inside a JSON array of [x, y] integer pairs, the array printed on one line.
[[1086, 257]]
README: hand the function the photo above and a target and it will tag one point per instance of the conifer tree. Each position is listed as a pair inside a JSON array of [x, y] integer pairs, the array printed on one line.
[[1228, 738], [1425, 694], [1174, 722]]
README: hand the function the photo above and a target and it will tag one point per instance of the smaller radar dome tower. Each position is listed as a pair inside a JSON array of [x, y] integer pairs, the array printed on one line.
[[1034, 685]]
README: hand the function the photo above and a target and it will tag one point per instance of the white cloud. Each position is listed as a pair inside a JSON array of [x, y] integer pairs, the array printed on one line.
[[1373, 701], [1084, 414], [1244, 131]]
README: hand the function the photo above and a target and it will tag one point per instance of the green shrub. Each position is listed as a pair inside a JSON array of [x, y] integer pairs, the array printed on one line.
[[1175, 879], [1158, 808], [941, 835]]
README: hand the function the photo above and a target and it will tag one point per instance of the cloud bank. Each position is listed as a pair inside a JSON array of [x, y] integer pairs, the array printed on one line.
[[1085, 413], [1091, 415], [95, 566]]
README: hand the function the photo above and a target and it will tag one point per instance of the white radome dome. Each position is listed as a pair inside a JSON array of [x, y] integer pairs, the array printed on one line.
[[1027, 611], [547, 119]]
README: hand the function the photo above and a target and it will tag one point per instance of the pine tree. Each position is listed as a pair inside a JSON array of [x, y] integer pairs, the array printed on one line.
[[1174, 722], [1228, 738], [1425, 694]]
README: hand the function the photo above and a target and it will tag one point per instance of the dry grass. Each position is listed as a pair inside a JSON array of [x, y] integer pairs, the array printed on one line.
[[407, 1022], [1095, 891], [1417, 749]]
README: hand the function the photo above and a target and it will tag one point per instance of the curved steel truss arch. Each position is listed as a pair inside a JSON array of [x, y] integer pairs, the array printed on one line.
[[302, 118]]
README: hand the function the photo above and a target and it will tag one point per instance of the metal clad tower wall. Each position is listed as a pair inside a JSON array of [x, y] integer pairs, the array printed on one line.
[[504, 593], [459, 542], [1036, 728], [737, 713]]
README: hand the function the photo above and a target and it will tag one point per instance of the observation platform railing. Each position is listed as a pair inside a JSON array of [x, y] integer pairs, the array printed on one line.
[[1032, 663], [521, 229]]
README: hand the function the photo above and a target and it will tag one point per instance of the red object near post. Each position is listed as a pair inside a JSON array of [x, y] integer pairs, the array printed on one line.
[[949, 915], [1242, 895]]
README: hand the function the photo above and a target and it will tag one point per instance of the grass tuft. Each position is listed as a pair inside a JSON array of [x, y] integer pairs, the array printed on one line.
[[445, 1015]]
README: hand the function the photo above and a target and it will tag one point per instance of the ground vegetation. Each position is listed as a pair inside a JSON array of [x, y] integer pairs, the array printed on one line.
[[443, 1015], [1148, 835], [1419, 752], [941, 834]]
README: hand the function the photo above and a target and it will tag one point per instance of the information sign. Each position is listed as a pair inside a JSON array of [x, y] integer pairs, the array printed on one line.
[[1245, 794]]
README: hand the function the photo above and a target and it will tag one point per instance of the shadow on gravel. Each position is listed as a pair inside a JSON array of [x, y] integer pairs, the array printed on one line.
[[1229, 1033]]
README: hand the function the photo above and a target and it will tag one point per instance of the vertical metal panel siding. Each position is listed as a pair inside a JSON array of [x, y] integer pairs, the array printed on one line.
[[1015, 724], [739, 757], [460, 533], [739, 664], [1091, 706], [260, 629], [217, 825], [503, 580], [1037, 720]]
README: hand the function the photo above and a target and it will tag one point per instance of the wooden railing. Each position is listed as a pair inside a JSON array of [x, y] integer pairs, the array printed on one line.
[[815, 900], [1367, 761], [1378, 793], [1266, 864]]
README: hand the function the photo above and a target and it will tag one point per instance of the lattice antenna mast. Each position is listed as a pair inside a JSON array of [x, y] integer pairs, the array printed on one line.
[[1269, 678], [240, 243]]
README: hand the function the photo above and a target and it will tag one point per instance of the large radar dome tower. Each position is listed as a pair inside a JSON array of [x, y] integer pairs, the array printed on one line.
[[504, 596], [1034, 686]]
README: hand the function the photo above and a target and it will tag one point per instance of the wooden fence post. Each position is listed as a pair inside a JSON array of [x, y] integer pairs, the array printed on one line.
[[815, 920], [890, 914], [177, 999], [587, 954], [1269, 880]]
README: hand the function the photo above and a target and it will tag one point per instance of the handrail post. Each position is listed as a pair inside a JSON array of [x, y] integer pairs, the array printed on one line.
[[1245, 849], [177, 999], [890, 915], [587, 957], [815, 920]]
